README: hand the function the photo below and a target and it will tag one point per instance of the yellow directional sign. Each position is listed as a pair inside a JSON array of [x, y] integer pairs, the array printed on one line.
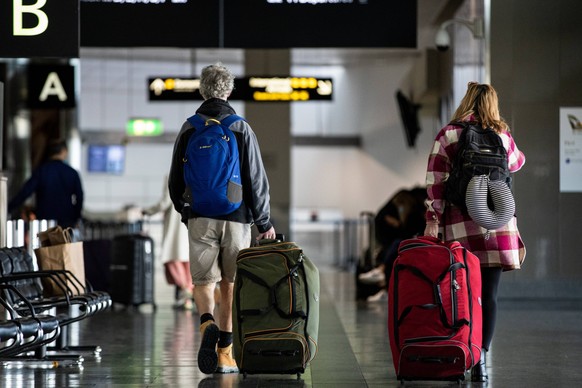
[[285, 89]]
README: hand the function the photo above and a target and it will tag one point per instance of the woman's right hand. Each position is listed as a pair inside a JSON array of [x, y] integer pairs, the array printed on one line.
[[431, 229]]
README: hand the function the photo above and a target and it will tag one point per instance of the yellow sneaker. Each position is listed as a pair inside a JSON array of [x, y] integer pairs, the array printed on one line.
[[207, 357], [226, 363]]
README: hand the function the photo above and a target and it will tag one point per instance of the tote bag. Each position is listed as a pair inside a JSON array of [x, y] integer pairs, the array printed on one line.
[[61, 254]]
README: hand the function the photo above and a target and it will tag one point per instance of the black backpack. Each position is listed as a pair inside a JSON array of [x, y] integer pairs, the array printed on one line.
[[480, 151]]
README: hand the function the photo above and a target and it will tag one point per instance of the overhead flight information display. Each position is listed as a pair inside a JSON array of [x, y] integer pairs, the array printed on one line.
[[249, 23], [149, 23], [320, 23]]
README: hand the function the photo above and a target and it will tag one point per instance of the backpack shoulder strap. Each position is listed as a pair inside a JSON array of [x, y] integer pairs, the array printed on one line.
[[463, 124], [229, 120], [197, 121]]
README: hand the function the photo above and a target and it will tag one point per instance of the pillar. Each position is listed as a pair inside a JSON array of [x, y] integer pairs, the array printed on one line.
[[271, 122]]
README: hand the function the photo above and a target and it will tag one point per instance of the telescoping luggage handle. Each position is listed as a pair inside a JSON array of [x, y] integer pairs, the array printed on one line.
[[279, 237]]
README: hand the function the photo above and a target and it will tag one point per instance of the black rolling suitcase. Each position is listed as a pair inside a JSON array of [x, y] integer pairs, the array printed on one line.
[[97, 258], [132, 270]]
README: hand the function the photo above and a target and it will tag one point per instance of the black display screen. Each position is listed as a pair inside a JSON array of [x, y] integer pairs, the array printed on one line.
[[149, 23], [409, 117], [248, 23], [320, 23]]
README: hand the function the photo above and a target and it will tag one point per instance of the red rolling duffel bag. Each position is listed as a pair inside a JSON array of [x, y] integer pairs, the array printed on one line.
[[434, 310]]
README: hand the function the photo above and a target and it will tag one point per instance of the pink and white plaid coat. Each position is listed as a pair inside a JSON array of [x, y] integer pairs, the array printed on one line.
[[497, 248]]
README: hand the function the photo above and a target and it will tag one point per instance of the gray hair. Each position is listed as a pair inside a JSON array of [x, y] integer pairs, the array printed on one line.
[[216, 81]]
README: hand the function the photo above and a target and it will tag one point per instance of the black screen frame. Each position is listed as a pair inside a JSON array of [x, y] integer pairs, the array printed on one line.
[[409, 118]]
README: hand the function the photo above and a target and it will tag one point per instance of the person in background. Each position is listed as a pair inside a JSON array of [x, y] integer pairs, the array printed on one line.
[[56, 187], [174, 253], [498, 250], [402, 217], [216, 241]]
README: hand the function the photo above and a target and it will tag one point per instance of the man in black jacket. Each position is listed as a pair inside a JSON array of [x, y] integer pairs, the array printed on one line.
[[57, 188], [215, 241]]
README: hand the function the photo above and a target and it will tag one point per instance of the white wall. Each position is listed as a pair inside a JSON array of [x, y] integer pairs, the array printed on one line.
[[346, 179], [114, 86], [140, 184], [355, 179]]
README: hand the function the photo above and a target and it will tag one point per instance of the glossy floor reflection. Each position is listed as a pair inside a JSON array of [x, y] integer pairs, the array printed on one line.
[[538, 344]]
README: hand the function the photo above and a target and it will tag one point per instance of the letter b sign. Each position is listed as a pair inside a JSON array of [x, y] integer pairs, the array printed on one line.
[[39, 28], [33, 9]]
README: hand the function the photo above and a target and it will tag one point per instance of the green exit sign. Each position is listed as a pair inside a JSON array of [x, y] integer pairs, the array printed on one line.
[[144, 127]]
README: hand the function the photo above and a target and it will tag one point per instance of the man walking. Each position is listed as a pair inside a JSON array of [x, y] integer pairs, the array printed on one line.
[[216, 237]]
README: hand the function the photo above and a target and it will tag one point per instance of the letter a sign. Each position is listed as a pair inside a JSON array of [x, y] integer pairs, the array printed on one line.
[[51, 86], [39, 28]]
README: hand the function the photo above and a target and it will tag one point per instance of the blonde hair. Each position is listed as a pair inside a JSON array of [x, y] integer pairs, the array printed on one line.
[[481, 101], [216, 81]]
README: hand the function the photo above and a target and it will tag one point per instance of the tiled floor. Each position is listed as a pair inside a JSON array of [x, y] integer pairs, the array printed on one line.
[[538, 344]]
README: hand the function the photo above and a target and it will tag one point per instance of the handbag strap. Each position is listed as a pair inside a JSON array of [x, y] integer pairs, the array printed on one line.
[[68, 235], [65, 236]]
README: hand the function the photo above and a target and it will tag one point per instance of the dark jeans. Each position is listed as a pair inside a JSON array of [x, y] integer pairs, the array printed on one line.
[[387, 256]]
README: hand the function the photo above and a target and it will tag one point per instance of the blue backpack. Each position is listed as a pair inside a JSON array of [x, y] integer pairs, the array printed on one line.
[[212, 167]]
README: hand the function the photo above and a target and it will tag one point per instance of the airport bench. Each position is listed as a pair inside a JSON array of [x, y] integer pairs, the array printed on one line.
[[78, 301]]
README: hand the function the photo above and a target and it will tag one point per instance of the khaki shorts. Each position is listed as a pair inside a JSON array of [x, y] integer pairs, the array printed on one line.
[[214, 246]]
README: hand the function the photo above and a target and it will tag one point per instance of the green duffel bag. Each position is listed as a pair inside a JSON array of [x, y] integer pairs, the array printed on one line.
[[275, 309]]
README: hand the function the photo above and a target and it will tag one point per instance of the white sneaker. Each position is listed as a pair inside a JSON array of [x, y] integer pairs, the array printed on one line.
[[381, 296], [374, 276]]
